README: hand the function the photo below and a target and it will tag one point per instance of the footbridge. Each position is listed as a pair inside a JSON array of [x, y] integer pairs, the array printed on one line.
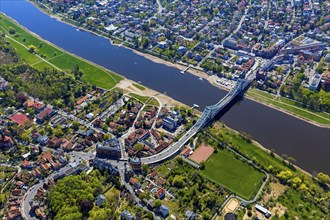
[[208, 114]]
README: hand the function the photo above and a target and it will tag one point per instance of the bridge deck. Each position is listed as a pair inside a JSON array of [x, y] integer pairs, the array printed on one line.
[[208, 114]]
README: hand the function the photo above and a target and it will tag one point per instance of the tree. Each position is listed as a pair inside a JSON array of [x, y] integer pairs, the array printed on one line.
[[296, 182], [11, 30], [2, 199], [138, 147], [178, 181], [145, 169], [100, 214], [324, 178], [158, 203], [75, 125], [285, 176], [292, 160], [86, 206], [30, 111], [32, 49], [202, 165]]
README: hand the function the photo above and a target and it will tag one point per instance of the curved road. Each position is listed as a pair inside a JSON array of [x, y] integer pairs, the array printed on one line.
[[208, 114]]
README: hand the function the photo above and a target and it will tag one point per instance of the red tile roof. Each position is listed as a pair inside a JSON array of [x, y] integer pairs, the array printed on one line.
[[20, 119], [38, 105]]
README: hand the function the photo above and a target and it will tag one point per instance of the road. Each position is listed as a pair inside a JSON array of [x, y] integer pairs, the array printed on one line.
[[121, 169], [32, 191], [219, 46], [160, 7], [207, 115], [80, 121]]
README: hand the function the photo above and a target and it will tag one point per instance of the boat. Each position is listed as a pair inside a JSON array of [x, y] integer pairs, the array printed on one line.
[[195, 106], [139, 82], [182, 71]]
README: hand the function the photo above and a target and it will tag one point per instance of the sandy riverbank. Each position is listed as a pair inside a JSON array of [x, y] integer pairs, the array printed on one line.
[[166, 101], [201, 74], [128, 86], [287, 112], [213, 80]]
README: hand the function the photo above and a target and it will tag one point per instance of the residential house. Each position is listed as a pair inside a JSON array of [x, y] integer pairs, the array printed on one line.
[[163, 211], [100, 200], [126, 215], [21, 119], [45, 114]]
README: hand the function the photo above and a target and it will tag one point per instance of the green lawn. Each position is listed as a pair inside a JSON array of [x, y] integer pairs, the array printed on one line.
[[153, 102], [42, 65], [92, 73], [234, 174], [139, 86], [290, 106], [142, 99], [24, 53], [249, 150]]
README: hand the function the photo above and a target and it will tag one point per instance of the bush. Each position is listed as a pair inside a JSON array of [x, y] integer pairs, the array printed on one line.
[[11, 30]]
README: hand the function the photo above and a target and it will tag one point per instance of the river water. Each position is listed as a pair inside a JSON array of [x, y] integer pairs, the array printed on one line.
[[308, 144]]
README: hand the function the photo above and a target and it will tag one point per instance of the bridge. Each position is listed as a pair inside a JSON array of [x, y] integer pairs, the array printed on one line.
[[208, 114]]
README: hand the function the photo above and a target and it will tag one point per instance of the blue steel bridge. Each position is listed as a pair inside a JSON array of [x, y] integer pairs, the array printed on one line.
[[208, 114]]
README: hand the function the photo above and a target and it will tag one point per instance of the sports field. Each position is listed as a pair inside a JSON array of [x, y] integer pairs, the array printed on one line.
[[234, 174], [202, 153]]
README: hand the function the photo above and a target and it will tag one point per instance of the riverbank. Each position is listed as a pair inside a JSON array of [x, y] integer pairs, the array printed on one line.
[[299, 113], [268, 104], [259, 121], [213, 80], [50, 55]]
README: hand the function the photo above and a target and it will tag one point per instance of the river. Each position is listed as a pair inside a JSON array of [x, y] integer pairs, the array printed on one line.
[[308, 144]]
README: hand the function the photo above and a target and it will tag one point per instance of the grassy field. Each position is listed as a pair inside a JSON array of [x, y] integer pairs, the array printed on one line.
[[153, 102], [291, 106], [234, 174], [250, 150], [139, 86], [92, 73], [142, 99]]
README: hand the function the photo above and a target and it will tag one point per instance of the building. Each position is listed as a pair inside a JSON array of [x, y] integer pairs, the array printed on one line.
[[160, 193], [135, 163], [47, 113], [230, 216], [105, 165], [5, 141], [314, 82], [163, 211], [128, 172], [3, 84], [126, 215], [21, 119], [263, 210], [55, 142], [100, 200], [109, 149], [169, 123], [230, 43], [190, 215]]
